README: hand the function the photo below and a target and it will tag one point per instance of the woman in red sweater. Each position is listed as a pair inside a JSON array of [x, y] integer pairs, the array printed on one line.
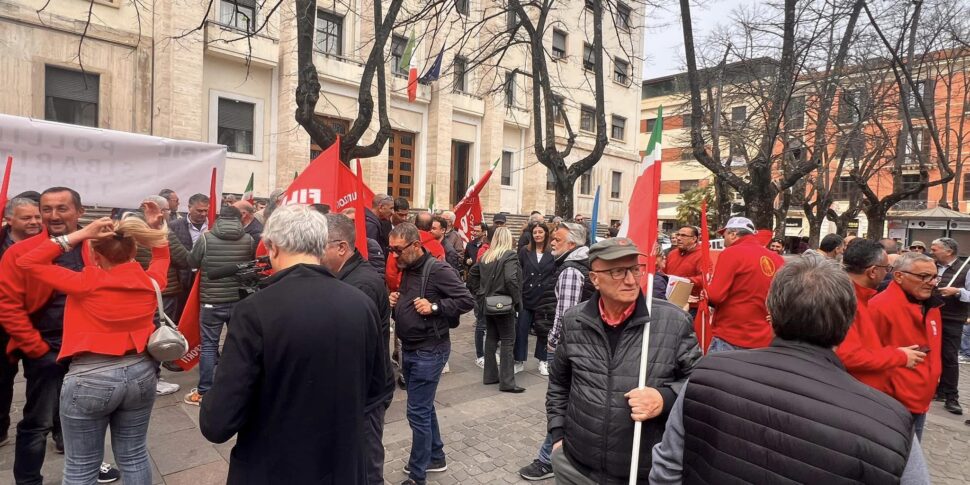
[[107, 322]]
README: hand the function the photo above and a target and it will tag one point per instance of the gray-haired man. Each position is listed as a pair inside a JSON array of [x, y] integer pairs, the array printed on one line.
[[953, 287]]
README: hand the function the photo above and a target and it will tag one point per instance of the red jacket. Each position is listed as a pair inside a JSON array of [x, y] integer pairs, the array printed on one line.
[[392, 275], [107, 312], [21, 295], [901, 322], [862, 351], [688, 266], [738, 291]]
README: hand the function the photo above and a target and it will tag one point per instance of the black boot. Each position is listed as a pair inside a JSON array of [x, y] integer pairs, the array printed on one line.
[[953, 405]]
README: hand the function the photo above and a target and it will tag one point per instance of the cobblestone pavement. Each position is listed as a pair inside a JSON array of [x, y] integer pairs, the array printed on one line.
[[488, 435]]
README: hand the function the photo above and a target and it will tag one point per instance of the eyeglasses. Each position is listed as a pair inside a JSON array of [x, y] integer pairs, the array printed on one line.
[[924, 278], [917, 247], [620, 273], [887, 267], [398, 251]]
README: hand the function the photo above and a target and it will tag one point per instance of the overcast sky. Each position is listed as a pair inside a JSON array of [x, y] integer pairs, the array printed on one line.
[[664, 38]]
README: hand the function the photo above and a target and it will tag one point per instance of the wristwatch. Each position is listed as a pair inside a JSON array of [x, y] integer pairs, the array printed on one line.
[[434, 308]]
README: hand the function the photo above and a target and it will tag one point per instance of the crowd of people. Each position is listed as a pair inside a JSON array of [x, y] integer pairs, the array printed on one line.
[[821, 367]]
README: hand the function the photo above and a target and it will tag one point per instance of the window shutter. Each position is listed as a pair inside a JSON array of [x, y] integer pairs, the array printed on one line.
[[73, 85], [236, 115]]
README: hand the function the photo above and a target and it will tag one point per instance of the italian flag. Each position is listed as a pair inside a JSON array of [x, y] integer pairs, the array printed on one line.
[[409, 62], [641, 220], [431, 206], [248, 194]]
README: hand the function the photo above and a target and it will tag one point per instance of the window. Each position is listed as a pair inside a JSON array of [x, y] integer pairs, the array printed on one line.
[[586, 183], [854, 146], [330, 33], [919, 90], [688, 185], [240, 14], [550, 180], [795, 113], [460, 157], [618, 127], [558, 44], [844, 188], [510, 89], [558, 109], [651, 122], [621, 71], [587, 118], [341, 127], [738, 115], [460, 74], [911, 181], [851, 106], [589, 59], [236, 125], [507, 169], [71, 97], [463, 6], [616, 181], [398, 44], [922, 141], [622, 16], [966, 186]]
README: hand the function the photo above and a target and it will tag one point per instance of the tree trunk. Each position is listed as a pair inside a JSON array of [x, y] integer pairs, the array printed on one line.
[[876, 214], [759, 206], [564, 198]]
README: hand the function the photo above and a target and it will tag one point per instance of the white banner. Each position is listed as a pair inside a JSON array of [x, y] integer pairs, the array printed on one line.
[[108, 168]]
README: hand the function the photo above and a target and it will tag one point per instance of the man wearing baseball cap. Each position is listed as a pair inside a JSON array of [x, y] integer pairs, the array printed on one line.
[[593, 399], [739, 287]]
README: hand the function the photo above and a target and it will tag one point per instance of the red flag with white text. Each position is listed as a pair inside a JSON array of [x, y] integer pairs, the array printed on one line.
[[468, 211], [327, 181]]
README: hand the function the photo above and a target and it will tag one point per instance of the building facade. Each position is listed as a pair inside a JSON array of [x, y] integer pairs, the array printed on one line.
[[228, 75]]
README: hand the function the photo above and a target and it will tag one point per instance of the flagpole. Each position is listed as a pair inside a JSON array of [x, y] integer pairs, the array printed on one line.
[[642, 382], [6, 184]]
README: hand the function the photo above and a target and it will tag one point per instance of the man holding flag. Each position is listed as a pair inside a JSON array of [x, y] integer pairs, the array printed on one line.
[[596, 364]]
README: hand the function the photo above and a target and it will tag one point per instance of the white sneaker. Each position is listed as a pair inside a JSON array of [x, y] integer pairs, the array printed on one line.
[[543, 368], [446, 369], [498, 360], [163, 388], [519, 367], [964, 359], [480, 362]]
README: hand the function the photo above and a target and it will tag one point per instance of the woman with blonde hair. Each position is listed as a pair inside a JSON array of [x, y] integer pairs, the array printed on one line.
[[496, 282], [108, 319]]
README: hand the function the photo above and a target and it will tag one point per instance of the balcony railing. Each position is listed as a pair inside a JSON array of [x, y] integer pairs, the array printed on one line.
[[914, 205]]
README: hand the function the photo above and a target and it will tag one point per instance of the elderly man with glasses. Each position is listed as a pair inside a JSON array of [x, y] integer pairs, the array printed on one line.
[[907, 313], [593, 399], [685, 261], [862, 352]]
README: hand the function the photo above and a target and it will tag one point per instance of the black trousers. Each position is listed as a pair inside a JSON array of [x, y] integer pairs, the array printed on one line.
[[499, 332], [44, 377], [8, 371], [950, 378], [373, 444]]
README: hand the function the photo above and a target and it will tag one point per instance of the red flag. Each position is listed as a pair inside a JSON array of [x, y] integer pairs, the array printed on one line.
[[642, 229], [6, 183], [327, 181], [214, 203], [468, 210], [189, 327], [702, 322], [360, 225]]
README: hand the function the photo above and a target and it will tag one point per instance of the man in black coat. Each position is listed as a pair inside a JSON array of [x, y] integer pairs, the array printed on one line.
[[378, 220], [302, 364], [350, 267], [422, 320], [594, 396]]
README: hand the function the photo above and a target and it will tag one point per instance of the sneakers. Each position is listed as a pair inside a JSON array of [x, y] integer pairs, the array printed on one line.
[[446, 369], [163, 388], [108, 474], [953, 406], [963, 359], [433, 467], [193, 398], [480, 362], [543, 368], [519, 367], [536, 470]]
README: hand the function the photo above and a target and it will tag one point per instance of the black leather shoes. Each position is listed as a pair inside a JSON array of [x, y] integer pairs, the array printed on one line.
[[953, 406], [515, 390]]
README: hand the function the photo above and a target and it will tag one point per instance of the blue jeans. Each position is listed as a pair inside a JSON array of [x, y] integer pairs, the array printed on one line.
[[120, 397], [918, 421], [211, 321], [545, 451], [521, 350], [965, 342], [44, 376], [718, 345], [422, 371]]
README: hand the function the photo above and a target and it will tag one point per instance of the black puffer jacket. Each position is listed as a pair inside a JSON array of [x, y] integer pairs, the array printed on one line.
[[224, 245], [587, 381]]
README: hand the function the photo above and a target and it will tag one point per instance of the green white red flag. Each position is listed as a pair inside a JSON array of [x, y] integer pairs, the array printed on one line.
[[410, 62], [640, 222], [248, 193]]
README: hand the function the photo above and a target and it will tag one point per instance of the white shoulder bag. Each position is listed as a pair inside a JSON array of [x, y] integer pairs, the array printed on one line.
[[166, 342]]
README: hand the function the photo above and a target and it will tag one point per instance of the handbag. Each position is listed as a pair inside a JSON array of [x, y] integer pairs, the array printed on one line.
[[166, 342], [496, 305]]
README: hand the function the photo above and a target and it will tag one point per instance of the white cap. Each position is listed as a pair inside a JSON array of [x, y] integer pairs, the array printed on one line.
[[738, 223]]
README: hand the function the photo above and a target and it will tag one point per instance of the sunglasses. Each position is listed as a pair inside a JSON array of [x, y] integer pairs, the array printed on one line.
[[398, 251]]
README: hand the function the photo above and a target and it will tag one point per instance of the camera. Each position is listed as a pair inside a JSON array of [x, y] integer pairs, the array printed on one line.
[[249, 274]]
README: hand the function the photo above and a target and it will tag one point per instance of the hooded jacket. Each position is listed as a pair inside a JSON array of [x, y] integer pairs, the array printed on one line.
[[863, 352], [902, 321], [224, 245]]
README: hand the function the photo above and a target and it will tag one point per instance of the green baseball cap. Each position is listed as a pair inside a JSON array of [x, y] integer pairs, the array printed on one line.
[[613, 248]]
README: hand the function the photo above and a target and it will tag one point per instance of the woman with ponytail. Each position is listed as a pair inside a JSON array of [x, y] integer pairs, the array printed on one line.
[[107, 322]]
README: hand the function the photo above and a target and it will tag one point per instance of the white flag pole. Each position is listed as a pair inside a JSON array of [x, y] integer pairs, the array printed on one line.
[[642, 382]]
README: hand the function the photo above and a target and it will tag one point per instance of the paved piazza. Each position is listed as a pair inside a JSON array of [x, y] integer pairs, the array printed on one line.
[[488, 435]]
